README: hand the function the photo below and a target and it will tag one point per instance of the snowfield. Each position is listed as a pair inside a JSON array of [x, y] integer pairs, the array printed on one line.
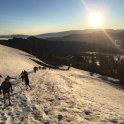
[[58, 96], [13, 61]]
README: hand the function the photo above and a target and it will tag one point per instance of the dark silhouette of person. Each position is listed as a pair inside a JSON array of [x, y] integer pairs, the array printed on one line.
[[43, 68], [6, 88], [35, 69], [39, 67], [26, 79], [22, 76]]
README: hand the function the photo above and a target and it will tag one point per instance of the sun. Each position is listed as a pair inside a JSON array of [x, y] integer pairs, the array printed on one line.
[[96, 20]]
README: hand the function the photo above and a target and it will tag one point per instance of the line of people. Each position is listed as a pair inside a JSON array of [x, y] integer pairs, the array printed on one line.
[[6, 86], [38, 68]]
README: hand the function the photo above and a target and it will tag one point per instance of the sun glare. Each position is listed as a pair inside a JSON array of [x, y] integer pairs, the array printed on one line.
[[96, 20]]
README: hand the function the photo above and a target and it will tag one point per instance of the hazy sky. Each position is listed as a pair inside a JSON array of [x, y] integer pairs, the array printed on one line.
[[40, 16]]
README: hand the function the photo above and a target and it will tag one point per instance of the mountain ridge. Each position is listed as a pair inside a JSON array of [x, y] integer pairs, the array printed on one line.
[[58, 34]]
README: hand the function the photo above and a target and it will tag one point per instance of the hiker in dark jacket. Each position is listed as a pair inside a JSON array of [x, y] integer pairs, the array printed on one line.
[[39, 67], [6, 88], [22, 76], [26, 79], [35, 69]]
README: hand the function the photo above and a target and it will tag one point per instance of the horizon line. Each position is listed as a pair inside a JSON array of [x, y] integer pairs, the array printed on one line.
[[59, 31]]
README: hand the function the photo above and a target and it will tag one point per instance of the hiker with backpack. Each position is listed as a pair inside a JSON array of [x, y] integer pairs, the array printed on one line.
[[6, 88], [35, 69], [22, 76], [26, 79]]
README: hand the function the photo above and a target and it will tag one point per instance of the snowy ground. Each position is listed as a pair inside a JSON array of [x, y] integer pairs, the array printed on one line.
[[13, 61], [60, 97]]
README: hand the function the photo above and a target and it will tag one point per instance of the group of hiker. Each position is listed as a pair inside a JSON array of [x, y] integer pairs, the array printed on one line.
[[38, 68], [6, 85]]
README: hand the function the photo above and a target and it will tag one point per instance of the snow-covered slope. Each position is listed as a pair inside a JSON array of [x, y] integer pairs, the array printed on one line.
[[60, 96], [13, 61], [78, 97]]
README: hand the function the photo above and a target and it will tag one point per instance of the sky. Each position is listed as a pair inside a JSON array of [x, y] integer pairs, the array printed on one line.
[[42, 16]]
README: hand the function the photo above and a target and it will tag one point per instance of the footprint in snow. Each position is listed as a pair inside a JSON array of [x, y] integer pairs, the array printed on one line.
[[87, 112], [87, 115], [114, 121], [59, 117], [4, 118], [46, 122], [46, 111], [36, 114]]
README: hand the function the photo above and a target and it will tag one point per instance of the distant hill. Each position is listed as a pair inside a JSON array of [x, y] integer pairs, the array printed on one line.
[[66, 33], [58, 34], [43, 47], [62, 34], [82, 35], [73, 43], [12, 36], [47, 35], [98, 37]]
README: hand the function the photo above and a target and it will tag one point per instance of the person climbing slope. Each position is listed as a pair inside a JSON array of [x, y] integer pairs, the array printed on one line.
[[6, 88], [26, 79], [22, 76]]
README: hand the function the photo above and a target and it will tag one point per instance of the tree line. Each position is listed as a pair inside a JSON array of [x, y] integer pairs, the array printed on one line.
[[104, 64]]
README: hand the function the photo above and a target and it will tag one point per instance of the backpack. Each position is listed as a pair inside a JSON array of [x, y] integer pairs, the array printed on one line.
[[6, 86]]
